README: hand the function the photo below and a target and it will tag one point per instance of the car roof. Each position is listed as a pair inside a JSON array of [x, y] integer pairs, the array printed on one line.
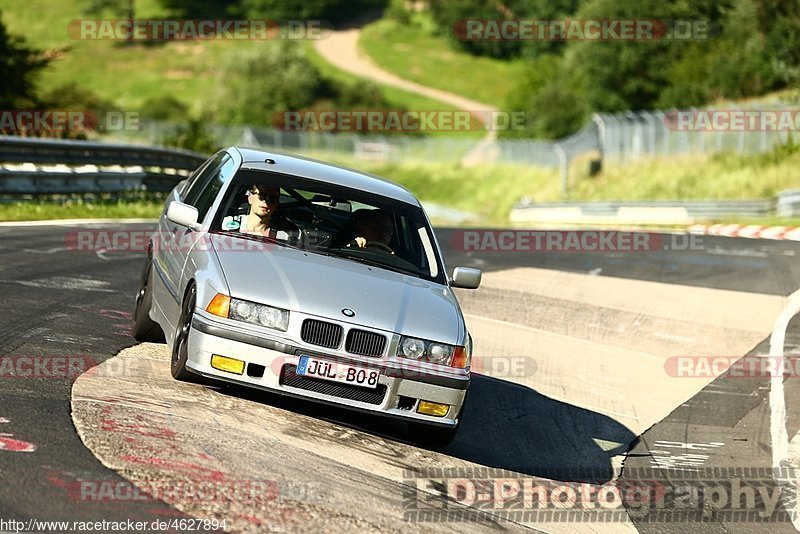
[[324, 172]]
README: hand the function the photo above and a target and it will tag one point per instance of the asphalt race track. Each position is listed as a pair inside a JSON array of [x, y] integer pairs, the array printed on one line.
[[576, 383]]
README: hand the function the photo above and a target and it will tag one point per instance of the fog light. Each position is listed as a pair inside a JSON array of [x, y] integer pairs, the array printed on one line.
[[228, 365], [433, 408]]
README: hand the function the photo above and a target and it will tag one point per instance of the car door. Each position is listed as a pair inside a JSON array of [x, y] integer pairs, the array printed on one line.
[[177, 240]]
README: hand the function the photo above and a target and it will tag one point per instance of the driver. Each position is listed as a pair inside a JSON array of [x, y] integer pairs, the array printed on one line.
[[372, 227]]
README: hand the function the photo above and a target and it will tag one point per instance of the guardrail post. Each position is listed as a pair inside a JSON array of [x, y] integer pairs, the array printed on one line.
[[563, 165], [601, 135]]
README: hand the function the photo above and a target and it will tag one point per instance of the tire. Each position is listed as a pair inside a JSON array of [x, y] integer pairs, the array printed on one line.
[[144, 328], [180, 349]]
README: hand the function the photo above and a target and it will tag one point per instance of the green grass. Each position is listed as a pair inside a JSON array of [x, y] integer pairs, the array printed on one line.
[[127, 75], [717, 177], [415, 53], [40, 211]]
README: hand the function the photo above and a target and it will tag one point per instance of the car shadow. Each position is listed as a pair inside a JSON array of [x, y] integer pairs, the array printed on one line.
[[505, 426], [511, 426]]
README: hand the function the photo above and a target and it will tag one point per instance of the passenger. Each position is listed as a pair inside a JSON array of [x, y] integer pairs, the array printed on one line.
[[373, 228]]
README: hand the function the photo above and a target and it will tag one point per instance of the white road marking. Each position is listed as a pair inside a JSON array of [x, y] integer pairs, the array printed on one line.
[[737, 252], [101, 253], [673, 337], [48, 251], [732, 393], [777, 400], [71, 222], [66, 282], [9, 443]]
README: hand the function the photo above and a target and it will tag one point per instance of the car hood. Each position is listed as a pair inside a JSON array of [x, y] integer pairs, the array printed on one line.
[[323, 285]]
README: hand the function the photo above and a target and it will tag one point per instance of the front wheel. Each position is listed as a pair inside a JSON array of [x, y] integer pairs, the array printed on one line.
[[180, 349], [144, 328]]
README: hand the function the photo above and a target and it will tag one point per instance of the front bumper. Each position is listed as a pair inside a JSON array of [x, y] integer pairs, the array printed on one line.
[[270, 364]]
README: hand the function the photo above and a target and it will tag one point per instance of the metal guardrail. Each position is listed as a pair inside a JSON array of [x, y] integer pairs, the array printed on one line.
[[786, 204], [33, 166], [695, 208], [38, 150]]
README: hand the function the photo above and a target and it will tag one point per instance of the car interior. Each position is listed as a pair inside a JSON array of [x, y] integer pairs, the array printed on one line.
[[327, 221]]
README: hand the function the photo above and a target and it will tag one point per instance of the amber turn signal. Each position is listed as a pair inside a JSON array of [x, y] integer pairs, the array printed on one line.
[[459, 358], [220, 305]]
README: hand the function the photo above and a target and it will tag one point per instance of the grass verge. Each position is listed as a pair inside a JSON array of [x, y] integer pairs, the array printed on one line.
[[42, 211]]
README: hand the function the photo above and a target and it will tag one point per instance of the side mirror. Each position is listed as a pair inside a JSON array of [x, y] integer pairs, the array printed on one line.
[[466, 278], [183, 214]]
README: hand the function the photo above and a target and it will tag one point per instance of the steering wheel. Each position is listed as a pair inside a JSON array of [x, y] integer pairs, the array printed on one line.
[[380, 246]]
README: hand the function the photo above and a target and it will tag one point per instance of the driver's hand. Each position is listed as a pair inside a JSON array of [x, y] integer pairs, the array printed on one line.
[[361, 242]]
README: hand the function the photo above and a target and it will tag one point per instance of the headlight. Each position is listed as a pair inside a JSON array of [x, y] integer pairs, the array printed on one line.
[[411, 348], [429, 351], [259, 314], [439, 353]]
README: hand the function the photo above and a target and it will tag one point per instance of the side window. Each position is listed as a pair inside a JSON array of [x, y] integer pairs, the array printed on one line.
[[193, 188], [209, 193], [192, 178]]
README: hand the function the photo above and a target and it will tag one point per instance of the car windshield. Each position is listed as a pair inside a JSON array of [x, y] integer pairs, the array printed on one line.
[[331, 220]]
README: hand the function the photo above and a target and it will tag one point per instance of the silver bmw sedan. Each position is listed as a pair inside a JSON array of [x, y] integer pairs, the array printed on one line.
[[310, 280]]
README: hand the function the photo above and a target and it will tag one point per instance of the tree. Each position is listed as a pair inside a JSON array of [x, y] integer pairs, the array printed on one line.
[[19, 66], [549, 97], [449, 16], [329, 10], [120, 8], [198, 9], [259, 83], [621, 75]]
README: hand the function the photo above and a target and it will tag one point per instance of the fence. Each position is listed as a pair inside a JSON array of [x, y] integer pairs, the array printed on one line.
[[613, 137], [628, 136]]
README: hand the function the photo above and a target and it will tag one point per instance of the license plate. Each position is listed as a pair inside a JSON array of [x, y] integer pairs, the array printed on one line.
[[337, 372]]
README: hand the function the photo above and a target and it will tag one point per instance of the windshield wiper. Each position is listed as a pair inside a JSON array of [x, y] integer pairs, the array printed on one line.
[[258, 237], [339, 253]]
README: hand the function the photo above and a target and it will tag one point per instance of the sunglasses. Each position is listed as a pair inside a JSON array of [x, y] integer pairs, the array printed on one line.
[[270, 199]]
